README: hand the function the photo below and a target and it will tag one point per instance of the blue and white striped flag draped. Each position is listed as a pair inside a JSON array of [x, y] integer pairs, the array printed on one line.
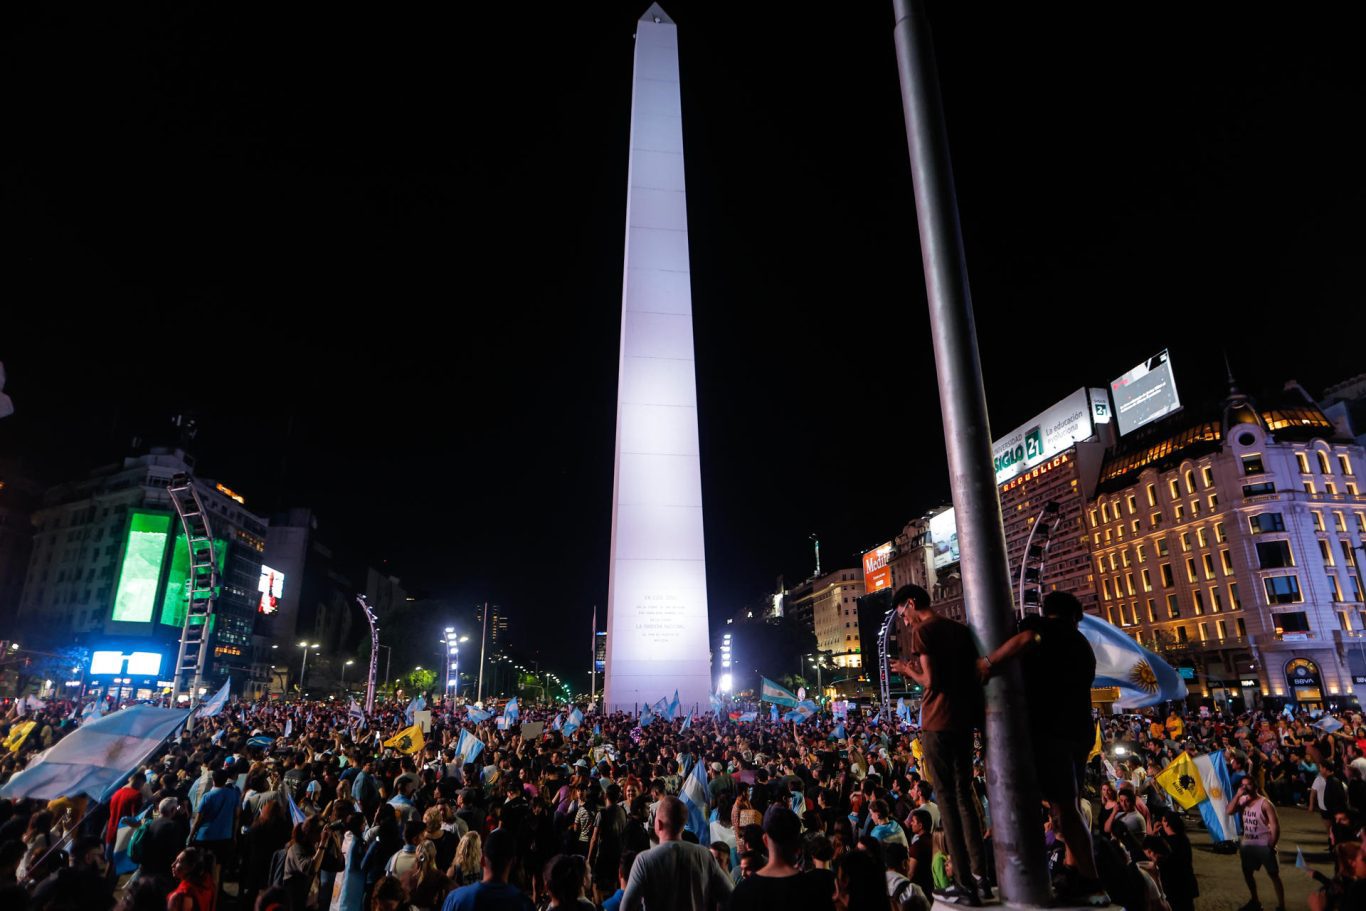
[[93, 710], [260, 742], [96, 758], [1143, 679], [687, 722], [903, 711], [779, 695], [511, 711], [839, 733], [661, 708], [717, 705], [1218, 790], [296, 815], [747, 717], [417, 705], [805, 711], [694, 795], [675, 710], [469, 746], [477, 715], [1328, 724], [557, 723], [213, 705], [355, 712], [573, 722], [646, 718]]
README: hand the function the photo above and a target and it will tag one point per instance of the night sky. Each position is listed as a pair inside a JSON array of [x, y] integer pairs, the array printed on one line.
[[378, 254]]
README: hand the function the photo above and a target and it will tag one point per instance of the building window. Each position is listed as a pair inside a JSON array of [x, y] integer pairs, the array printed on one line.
[[1181, 634], [1113, 563], [1263, 522], [1219, 535], [1356, 588], [1092, 515], [1167, 578], [1348, 555], [1344, 621], [1190, 481], [1291, 622], [1258, 490], [1283, 590], [1234, 602], [1173, 608], [1155, 520], [1147, 580], [1191, 574], [1161, 547], [1207, 476], [1252, 464], [1132, 502], [1334, 590], [1179, 511], [1185, 541], [1200, 537], [1339, 520], [1198, 600], [1345, 464], [1303, 461], [1129, 584], [1227, 561], [1327, 551], [1318, 519], [1324, 467], [1221, 629], [1215, 599], [1209, 565], [1152, 494], [1213, 501], [1138, 552], [1152, 611], [1242, 628], [1134, 526], [1105, 512], [1174, 488], [1105, 588], [1109, 615], [1330, 488], [1124, 558], [1274, 554], [1204, 632], [1309, 488]]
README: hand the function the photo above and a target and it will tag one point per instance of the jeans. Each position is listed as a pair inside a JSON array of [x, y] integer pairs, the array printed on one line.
[[948, 758]]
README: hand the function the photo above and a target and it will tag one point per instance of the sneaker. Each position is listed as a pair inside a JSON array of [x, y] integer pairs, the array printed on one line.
[[984, 888], [957, 895]]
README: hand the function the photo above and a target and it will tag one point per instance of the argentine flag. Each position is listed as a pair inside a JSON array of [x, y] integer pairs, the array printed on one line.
[[694, 796], [477, 715], [646, 718], [675, 710], [838, 734], [469, 746], [716, 705], [213, 705], [903, 711], [1143, 679], [779, 695], [557, 723], [573, 722], [416, 705], [772, 714], [747, 717], [1214, 778], [355, 711], [93, 710], [687, 722], [805, 711], [511, 711]]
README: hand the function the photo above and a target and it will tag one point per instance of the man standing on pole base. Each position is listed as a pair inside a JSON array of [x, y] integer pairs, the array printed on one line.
[[941, 655], [1059, 666]]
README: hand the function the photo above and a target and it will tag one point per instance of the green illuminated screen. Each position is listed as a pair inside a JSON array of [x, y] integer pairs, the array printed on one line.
[[177, 597], [142, 558]]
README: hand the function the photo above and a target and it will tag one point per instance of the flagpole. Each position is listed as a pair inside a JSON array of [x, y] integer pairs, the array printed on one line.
[[593, 661]]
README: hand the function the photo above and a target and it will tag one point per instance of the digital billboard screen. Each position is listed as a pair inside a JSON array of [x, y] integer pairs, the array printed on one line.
[[139, 664], [271, 585], [177, 597], [106, 662], [877, 573], [944, 538], [143, 555], [1064, 425], [1145, 394]]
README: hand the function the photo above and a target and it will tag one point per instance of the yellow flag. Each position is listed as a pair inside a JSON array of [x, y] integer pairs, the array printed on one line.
[[408, 740], [17, 735], [1182, 781], [1095, 750]]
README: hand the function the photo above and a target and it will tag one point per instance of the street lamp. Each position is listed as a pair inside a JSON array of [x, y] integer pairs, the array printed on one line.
[[349, 662], [303, 666]]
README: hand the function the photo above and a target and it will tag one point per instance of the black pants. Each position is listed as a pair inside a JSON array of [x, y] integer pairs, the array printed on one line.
[[948, 757]]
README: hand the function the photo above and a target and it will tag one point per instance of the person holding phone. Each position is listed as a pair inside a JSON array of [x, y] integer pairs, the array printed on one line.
[[1261, 832]]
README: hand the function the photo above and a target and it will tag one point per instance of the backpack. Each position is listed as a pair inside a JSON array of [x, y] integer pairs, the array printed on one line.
[[137, 844]]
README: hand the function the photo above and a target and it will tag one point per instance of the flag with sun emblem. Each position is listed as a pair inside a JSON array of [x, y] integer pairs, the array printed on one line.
[[409, 740], [1141, 677]]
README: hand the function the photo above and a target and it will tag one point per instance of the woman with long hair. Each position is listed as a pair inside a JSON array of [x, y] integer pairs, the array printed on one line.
[[425, 883], [303, 860], [195, 889], [466, 869]]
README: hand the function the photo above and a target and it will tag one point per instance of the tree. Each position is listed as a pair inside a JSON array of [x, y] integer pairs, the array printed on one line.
[[419, 680]]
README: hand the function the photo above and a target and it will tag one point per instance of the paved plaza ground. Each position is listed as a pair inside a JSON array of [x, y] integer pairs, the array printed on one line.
[[1221, 875]]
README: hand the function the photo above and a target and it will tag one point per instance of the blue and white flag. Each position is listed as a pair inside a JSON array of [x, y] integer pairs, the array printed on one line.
[[557, 723], [512, 711], [805, 711], [477, 715], [1328, 724], [773, 714], [1218, 787], [260, 742], [355, 711], [694, 795], [717, 705], [573, 722], [296, 815], [416, 705], [289, 727], [218, 735], [597, 730], [213, 705], [469, 746], [746, 717], [687, 723], [646, 718], [839, 733], [93, 710], [675, 710], [779, 695], [661, 708], [96, 758], [1143, 679], [903, 711], [1299, 858]]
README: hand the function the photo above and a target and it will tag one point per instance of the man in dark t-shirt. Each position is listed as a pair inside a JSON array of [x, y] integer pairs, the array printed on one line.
[[942, 658], [1059, 666]]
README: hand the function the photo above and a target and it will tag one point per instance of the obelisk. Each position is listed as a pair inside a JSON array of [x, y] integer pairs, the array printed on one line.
[[657, 640]]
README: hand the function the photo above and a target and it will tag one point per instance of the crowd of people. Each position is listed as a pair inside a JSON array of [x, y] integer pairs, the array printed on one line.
[[294, 806]]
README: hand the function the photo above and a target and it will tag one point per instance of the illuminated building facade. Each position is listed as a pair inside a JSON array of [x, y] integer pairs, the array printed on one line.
[[1231, 544], [109, 567], [829, 604]]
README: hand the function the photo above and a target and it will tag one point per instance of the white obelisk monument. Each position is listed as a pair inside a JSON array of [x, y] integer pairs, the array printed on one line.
[[657, 639]]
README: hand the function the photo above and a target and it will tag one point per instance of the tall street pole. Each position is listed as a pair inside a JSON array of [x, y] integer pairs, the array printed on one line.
[[593, 661], [1011, 783], [483, 638]]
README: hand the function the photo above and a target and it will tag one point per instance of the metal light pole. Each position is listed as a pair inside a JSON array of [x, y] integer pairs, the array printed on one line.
[[1011, 782], [483, 641], [303, 665], [349, 662]]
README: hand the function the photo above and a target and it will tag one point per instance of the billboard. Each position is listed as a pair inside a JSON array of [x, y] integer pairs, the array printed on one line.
[[944, 538], [271, 585], [877, 574], [176, 598], [139, 664], [143, 555], [1055, 430], [1145, 394]]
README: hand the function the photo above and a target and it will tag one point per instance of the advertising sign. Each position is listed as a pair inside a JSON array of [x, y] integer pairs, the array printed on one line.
[[1145, 393], [136, 664], [877, 574], [1305, 682], [944, 537], [140, 572], [1058, 428], [271, 585]]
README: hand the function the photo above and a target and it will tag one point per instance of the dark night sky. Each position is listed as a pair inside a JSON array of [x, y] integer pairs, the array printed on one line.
[[388, 247]]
